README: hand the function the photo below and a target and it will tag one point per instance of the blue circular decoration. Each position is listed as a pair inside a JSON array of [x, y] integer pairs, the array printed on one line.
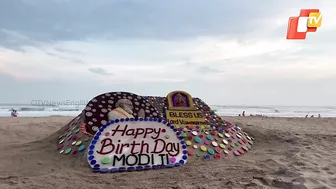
[[93, 162], [90, 152], [139, 168], [82, 147], [198, 140], [127, 119], [122, 120], [113, 170], [209, 137], [141, 119], [91, 158], [116, 120], [121, 169], [104, 170]]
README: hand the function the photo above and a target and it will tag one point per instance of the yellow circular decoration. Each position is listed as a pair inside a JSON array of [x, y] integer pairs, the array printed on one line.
[[203, 148], [188, 143], [220, 135], [222, 145], [202, 127], [78, 143]]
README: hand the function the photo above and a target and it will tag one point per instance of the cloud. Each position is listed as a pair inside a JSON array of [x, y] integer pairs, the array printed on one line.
[[99, 71], [207, 69], [134, 44]]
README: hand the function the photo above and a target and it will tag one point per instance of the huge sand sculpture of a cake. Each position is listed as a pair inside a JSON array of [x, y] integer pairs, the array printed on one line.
[[121, 131]]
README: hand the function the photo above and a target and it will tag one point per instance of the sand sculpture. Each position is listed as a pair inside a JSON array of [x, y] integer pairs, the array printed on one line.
[[120, 131]]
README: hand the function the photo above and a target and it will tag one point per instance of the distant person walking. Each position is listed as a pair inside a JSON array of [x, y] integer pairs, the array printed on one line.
[[243, 113], [319, 115]]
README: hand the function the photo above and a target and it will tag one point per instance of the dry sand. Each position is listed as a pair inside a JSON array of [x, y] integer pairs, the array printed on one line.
[[288, 153]]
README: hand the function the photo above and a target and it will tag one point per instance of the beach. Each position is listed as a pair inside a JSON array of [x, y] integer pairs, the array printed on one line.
[[288, 153]]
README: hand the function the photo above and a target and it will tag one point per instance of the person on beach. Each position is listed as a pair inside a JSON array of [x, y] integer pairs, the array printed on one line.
[[124, 109], [243, 113], [14, 113]]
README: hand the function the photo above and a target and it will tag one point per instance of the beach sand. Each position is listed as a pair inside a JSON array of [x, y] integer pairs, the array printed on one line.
[[289, 153]]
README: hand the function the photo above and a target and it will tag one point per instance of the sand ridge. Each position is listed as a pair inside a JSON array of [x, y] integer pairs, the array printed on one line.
[[288, 153]]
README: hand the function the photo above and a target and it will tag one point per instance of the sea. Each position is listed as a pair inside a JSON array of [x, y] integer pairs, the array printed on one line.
[[31, 110]]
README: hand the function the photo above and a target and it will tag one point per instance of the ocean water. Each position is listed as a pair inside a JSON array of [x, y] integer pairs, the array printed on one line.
[[29, 110]]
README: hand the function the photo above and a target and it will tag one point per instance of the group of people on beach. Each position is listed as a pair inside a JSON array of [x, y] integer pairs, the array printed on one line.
[[312, 116], [243, 114]]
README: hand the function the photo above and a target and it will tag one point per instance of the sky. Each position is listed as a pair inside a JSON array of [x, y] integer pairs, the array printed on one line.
[[224, 52]]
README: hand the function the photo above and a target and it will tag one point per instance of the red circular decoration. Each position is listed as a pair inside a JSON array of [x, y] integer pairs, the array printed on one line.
[[190, 152], [60, 146], [217, 156], [74, 152]]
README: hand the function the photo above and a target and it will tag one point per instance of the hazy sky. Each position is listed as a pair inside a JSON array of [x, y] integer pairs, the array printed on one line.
[[225, 52]]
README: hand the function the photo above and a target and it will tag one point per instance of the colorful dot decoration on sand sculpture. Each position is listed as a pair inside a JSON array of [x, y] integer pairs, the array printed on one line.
[[121, 104], [135, 144], [216, 144], [72, 141], [215, 121]]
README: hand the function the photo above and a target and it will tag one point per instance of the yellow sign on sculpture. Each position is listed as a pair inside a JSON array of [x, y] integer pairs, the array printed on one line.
[[191, 118]]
